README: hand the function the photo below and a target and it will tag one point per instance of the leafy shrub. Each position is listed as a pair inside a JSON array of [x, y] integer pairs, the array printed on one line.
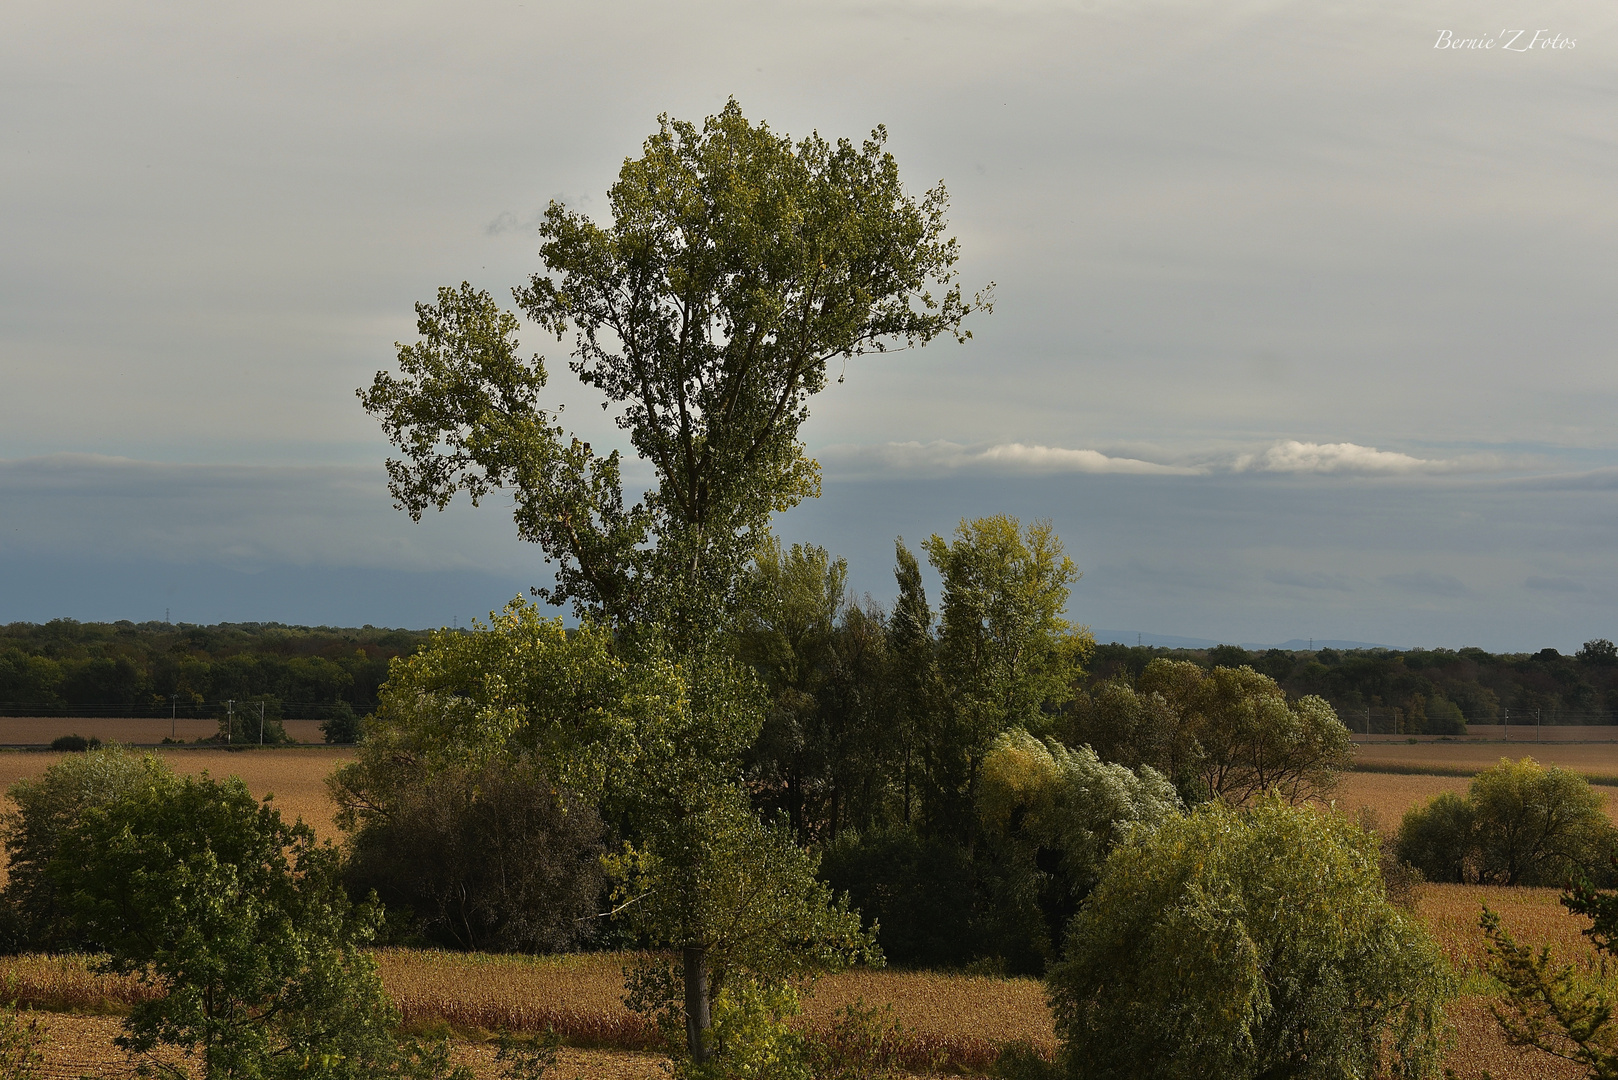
[[75, 744], [238, 921], [1519, 824], [22, 1045], [45, 808], [342, 725], [495, 858], [1248, 944]]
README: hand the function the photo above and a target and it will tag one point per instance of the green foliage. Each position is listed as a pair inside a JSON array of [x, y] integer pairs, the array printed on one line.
[[523, 688], [1439, 839], [1228, 733], [1045, 797], [745, 892], [918, 890], [75, 744], [342, 725], [1520, 824], [1557, 1008], [826, 751], [493, 858], [1443, 717], [22, 1045], [863, 1042], [736, 264], [240, 921], [46, 808], [1005, 653], [1254, 943], [156, 668]]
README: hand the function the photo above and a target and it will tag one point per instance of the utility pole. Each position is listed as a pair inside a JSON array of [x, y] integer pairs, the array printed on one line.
[[1507, 724], [1367, 719], [173, 712], [261, 723], [1536, 724], [230, 718]]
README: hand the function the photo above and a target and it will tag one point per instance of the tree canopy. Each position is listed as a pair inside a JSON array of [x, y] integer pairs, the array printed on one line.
[[1249, 943], [737, 264]]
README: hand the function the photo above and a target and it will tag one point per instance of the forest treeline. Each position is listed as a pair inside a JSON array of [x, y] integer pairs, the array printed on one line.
[[135, 669], [152, 666]]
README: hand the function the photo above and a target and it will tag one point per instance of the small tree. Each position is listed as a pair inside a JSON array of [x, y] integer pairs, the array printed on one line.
[[47, 808], [1253, 943], [1520, 824], [240, 921], [744, 906]]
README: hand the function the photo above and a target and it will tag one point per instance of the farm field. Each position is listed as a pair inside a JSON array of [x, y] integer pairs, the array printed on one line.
[[956, 1017], [40, 730], [296, 777], [1594, 759]]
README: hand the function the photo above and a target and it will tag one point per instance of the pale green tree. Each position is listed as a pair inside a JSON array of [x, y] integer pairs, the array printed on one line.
[[1006, 655], [1245, 944]]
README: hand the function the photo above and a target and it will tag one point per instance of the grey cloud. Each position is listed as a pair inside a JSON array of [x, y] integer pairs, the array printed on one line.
[[1427, 583]]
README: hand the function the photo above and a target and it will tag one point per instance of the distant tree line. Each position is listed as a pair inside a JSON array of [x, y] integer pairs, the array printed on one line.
[[1419, 691], [65, 667]]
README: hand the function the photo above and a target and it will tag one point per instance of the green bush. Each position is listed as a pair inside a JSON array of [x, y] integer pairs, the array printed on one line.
[[342, 725], [75, 744], [1248, 944], [1519, 824], [240, 922], [45, 809]]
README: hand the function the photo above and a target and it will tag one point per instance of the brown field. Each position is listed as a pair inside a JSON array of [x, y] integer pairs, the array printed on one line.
[[1391, 794], [296, 777], [1517, 733], [1595, 759], [81, 1046], [40, 730]]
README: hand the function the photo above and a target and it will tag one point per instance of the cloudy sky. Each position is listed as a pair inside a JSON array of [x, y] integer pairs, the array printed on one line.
[[1304, 327]]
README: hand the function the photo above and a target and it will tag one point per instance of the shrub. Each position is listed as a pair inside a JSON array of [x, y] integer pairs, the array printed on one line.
[[1520, 824], [342, 724], [46, 808], [495, 858], [239, 922], [1246, 944], [75, 744]]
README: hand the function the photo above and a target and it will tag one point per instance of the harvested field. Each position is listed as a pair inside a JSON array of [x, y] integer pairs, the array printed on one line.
[[1592, 759], [1516, 733], [296, 777], [958, 1021], [41, 730], [81, 1046]]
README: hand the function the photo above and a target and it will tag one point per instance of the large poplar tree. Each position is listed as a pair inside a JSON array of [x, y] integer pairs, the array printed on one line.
[[737, 265]]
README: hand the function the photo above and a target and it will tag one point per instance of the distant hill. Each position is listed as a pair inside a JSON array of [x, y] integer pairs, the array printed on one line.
[[1168, 641]]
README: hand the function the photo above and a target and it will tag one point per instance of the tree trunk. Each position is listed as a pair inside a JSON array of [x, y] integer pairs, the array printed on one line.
[[698, 1036]]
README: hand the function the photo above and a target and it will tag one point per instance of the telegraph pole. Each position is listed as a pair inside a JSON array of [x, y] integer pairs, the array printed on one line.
[[261, 723], [230, 718]]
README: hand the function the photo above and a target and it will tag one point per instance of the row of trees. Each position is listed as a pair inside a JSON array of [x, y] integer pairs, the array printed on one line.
[[162, 667], [1423, 691]]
